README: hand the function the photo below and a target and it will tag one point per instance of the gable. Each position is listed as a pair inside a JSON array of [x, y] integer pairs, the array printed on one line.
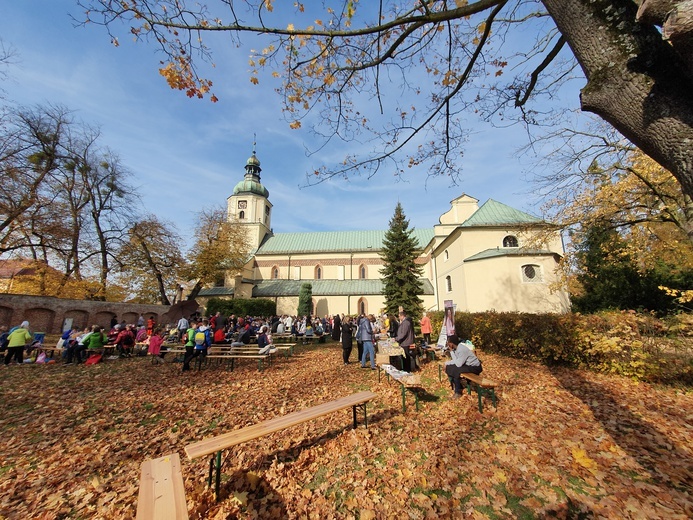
[[494, 213]]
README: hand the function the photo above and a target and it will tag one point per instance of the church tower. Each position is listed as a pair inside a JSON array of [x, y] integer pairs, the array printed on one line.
[[250, 205]]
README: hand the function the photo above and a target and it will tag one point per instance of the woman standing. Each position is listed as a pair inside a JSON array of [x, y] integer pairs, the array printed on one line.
[[336, 327], [17, 339], [347, 336]]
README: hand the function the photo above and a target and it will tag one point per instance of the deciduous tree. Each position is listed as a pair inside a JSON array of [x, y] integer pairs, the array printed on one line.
[[65, 199], [220, 247], [455, 55], [628, 223], [151, 260]]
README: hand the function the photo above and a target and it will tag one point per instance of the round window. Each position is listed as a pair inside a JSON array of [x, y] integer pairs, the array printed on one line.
[[530, 272]]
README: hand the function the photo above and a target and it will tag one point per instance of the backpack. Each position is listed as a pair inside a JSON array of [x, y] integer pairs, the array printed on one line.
[[202, 338], [128, 340], [244, 336]]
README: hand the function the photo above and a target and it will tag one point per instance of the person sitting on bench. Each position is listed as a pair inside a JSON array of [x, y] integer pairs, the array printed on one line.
[[463, 361], [264, 342], [243, 334]]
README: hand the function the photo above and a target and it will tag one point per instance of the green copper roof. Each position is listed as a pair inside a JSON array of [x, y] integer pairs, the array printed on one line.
[[333, 241], [251, 186], [493, 213], [326, 287], [216, 291], [508, 251], [272, 288]]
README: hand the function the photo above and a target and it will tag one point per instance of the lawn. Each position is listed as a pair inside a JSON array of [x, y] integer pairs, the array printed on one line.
[[562, 443]]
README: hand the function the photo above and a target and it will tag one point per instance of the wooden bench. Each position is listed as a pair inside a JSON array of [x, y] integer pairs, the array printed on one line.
[[231, 354], [283, 338], [162, 493], [307, 340], [406, 380], [215, 445], [483, 387], [286, 348]]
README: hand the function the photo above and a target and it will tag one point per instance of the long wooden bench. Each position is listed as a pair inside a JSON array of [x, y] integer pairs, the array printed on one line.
[[229, 353], [314, 339], [215, 445], [483, 387], [162, 493]]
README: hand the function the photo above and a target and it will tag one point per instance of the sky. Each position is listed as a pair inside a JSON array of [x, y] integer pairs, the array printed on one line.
[[181, 150]]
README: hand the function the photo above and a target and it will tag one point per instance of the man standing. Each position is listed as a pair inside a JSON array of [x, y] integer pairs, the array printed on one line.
[[463, 361], [182, 327], [405, 338], [366, 336]]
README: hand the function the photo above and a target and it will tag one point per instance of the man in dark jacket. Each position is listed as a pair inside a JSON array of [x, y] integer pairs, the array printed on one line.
[[405, 338]]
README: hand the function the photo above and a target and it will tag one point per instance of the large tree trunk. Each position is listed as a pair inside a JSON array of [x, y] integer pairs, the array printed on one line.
[[635, 80]]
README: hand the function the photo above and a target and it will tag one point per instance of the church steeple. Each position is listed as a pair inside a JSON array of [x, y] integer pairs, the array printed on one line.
[[249, 204], [252, 166]]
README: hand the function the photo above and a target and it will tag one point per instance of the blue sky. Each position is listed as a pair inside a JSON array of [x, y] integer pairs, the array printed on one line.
[[181, 150]]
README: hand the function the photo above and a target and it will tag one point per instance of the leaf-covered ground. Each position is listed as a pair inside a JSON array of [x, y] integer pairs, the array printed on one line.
[[562, 443]]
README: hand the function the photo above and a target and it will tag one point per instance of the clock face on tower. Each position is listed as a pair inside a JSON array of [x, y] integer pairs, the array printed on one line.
[[242, 204]]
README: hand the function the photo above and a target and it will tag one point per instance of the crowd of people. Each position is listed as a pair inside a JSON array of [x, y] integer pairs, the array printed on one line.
[[198, 334]]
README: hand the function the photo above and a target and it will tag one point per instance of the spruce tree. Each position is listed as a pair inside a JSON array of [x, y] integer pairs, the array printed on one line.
[[305, 300], [401, 274]]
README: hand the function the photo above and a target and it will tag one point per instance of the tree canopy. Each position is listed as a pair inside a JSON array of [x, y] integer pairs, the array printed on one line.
[[221, 247], [499, 58]]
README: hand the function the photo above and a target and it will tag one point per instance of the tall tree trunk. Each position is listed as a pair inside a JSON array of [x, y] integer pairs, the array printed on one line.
[[635, 80]]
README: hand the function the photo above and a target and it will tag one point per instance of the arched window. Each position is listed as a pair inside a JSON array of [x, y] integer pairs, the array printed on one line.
[[510, 241], [531, 273], [275, 272], [318, 272], [362, 272], [363, 306], [446, 255], [241, 215], [448, 283]]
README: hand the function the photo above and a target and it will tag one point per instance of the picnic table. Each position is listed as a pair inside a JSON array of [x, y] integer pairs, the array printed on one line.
[[387, 349], [407, 381]]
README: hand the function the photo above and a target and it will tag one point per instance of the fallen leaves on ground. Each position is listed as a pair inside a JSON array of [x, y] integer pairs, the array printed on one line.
[[561, 444]]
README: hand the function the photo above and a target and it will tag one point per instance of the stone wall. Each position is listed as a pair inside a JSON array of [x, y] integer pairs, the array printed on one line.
[[49, 314]]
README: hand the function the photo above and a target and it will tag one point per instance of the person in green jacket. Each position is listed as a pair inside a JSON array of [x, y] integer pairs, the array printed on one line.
[[94, 341], [18, 338]]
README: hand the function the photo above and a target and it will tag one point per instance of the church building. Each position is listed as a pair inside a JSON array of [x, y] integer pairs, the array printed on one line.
[[476, 255]]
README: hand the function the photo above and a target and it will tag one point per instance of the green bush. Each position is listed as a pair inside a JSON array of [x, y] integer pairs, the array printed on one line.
[[242, 307], [631, 344]]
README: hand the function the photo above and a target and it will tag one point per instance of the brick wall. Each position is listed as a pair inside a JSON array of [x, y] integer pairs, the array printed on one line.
[[47, 314]]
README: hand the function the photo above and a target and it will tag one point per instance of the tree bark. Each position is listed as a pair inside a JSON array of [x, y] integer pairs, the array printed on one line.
[[654, 11], [635, 80]]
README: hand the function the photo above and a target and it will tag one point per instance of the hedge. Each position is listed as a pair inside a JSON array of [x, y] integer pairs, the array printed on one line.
[[632, 344]]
